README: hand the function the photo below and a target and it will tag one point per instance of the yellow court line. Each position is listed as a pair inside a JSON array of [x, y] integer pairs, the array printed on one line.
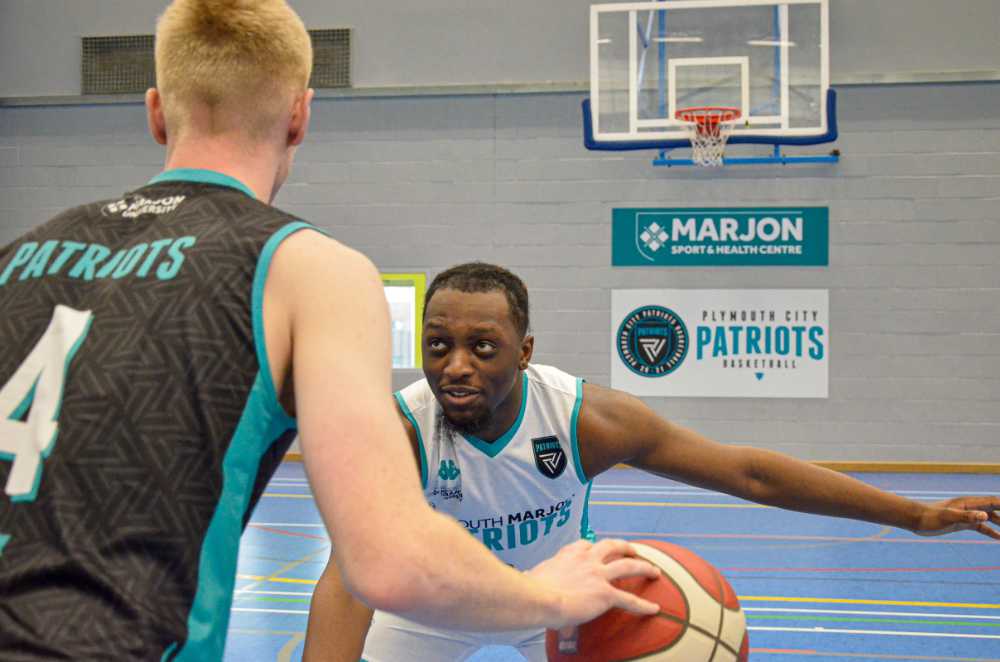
[[747, 598], [852, 601], [658, 504], [677, 504], [282, 580]]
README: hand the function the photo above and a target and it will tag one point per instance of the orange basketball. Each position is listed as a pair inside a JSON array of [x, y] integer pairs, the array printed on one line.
[[700, 618]]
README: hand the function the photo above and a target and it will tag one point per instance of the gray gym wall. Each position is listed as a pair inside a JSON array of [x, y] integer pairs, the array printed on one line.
[[422, 180]]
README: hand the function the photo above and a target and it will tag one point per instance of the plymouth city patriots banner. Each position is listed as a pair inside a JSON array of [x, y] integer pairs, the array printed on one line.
[[721, 343]]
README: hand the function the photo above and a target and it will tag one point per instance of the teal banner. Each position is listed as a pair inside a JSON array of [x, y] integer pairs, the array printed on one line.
[[720, 236]]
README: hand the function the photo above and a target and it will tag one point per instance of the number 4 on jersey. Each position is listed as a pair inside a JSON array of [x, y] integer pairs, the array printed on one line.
[[36, 388]]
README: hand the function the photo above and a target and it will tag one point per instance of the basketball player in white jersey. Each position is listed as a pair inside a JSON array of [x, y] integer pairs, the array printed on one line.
[[508, 448]]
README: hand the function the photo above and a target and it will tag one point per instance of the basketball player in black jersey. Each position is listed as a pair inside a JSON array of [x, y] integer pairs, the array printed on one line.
[[160, 350]]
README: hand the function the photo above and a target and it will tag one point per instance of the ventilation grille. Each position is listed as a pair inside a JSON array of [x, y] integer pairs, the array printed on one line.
[[124, 64], [331, 58], [118, 65]]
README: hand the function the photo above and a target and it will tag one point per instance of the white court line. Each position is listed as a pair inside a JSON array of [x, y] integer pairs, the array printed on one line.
[[900, 633], [271, 611], [298, 593], [301, 525], [868, 613]]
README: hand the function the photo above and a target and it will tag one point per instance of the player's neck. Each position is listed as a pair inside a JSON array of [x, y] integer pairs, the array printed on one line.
[[506, 414], [256, 168]]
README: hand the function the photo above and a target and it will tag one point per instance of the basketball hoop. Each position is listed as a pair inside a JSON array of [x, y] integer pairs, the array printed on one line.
[[708, 129]]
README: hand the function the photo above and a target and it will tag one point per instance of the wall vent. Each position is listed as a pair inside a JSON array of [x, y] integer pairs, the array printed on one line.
[[331, 58], [124, 64], [118, 65]]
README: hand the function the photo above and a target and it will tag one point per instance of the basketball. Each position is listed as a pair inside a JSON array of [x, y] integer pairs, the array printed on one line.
[[700, 618]]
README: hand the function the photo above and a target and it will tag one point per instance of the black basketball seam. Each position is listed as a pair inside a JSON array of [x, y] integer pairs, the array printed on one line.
[[669, 617], [722, 617], [722, 612]]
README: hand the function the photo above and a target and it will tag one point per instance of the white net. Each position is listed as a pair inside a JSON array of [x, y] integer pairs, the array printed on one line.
[[708, 129]]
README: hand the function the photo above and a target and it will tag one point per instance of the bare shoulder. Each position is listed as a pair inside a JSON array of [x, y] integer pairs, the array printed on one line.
[[612, 409], [613, 428], [309, 259]]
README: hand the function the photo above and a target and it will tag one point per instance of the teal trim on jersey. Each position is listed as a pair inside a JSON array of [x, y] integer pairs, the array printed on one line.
[[420, 438], [4, 539], [19, 412], [260, 425], [169, 652], [574, 441], [202, 177], [257, 304], [586, 532], [493, 449]]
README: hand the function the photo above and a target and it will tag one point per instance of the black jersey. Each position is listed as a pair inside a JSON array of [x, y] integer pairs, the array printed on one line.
[[139, 419]]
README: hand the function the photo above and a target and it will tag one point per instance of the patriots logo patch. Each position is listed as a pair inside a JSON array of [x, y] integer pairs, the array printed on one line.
[[549, 456]]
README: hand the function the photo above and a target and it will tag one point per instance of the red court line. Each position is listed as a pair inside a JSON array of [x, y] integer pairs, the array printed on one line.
[[988, 568], [282, 532]]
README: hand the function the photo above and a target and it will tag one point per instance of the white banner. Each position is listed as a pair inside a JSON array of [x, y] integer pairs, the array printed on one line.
[[721, 343]]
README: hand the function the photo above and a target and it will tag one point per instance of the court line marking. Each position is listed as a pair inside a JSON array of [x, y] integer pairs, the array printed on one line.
[[679, 490], [765, 536], [259, 579], [283, 569], [257, 631], [872, 656], [285, 654], [890, 633], [868, 613], [987, 568], [300, 593], [271, 611], [950, 622], [867, 601]]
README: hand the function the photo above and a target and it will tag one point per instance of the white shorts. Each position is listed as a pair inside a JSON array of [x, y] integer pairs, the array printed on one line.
[[395, 639]]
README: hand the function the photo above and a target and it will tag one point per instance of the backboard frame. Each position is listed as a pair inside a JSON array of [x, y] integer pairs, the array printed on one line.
[[665, 132]]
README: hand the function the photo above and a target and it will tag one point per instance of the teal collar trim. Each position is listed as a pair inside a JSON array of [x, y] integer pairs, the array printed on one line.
[[492, 449], [202, 177]]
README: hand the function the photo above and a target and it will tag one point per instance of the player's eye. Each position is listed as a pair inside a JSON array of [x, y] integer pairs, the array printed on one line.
[[485, 347], [436, 345]]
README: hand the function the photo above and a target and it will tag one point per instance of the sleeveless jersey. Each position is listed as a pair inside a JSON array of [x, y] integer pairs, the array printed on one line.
[[524, 495], [139, 419]]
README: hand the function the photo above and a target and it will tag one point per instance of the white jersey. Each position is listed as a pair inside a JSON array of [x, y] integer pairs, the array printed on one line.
[[524, 495]]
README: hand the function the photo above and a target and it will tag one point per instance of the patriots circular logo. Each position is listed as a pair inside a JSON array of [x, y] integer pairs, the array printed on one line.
[[652, 341]]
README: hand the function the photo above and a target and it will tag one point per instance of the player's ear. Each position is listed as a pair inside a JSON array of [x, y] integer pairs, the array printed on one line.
[[527, 347], [154, 116], [299, 123]]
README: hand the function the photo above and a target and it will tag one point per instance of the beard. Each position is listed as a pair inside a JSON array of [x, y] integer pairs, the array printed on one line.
[[471, 426]]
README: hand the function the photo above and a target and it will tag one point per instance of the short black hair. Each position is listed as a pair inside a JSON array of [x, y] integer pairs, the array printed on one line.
[[485, 277]]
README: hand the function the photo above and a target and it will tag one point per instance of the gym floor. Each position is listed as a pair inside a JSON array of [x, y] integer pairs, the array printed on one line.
[[813, 588]]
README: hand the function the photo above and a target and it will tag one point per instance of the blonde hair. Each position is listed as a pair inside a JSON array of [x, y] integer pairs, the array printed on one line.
[[243, 60]]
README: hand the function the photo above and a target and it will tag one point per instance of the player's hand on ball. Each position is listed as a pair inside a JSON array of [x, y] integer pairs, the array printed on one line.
[[581, 573], [961, 514]]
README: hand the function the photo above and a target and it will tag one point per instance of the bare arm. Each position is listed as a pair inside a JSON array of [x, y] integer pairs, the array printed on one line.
[[616, 427], [338, 622], [327, 327]]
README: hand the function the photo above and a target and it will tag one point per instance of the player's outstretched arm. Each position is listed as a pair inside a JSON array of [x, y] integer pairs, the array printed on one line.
[[338, 622], [616, 427], [325, 304]]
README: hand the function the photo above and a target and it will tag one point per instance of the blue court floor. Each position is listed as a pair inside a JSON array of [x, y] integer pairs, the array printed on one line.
[[813, 588]]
